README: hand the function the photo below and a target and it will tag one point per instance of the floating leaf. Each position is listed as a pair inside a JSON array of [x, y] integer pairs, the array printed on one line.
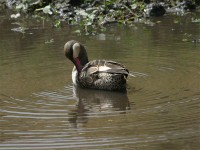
[[19, 29], [101, 37], [47, 10], [77, 31], [81, 12], [195, 20], [20, 6], [176, 21], [184, 40], [57, 23], [133, 6], [49, 41], [33, 2], [88, 24], [15, 16]]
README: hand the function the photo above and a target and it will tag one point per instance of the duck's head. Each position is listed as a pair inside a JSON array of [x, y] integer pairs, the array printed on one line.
[[76, 52]]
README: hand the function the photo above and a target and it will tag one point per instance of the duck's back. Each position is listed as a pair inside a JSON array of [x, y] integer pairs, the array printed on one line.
[[102, 74]]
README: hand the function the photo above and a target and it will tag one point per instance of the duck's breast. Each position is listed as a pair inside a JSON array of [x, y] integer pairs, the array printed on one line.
[[74, 76]]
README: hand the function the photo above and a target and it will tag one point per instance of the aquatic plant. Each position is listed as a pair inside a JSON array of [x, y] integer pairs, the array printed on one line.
[[93, 15]]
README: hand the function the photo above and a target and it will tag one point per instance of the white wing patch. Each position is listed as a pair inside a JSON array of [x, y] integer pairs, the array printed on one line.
[[94, 69], [103, 68]]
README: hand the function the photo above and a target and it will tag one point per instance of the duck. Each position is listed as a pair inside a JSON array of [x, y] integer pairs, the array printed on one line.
[[96, 74]]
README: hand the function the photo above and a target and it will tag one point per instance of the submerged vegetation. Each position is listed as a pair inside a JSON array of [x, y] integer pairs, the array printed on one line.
[[94, 15]]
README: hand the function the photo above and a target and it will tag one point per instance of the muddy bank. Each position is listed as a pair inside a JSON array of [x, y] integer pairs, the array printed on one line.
[[94, 15]]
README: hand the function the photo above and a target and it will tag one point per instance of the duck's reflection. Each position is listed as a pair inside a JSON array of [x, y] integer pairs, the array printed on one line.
[[94, 102]]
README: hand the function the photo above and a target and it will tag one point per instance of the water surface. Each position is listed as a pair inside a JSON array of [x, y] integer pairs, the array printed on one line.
[[40, 108]]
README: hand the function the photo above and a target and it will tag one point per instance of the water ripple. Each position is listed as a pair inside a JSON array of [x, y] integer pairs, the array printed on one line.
[[40, 109], [138, 74], [90, 143]]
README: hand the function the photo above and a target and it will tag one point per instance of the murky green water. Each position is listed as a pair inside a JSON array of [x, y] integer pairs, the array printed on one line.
[[40, 109]]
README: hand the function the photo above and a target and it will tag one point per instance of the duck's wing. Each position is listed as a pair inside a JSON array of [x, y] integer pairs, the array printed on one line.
[[111, 67]]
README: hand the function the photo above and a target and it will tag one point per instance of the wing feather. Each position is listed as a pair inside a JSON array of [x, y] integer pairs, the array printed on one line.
[[111, 67]]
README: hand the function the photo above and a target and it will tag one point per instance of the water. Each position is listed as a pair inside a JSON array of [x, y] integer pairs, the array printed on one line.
[[40, 109]]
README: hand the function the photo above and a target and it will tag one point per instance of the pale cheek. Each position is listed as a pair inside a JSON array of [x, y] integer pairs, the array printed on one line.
[[75, 54], [76, 50]]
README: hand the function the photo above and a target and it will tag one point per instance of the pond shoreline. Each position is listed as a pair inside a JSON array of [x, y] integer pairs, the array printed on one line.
[[94, 16]]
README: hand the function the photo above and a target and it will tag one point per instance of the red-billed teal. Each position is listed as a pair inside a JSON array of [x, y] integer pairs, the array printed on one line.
[[96, 74]]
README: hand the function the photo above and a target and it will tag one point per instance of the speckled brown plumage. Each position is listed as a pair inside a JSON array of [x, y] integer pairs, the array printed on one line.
[[96, 74], [110, 79]]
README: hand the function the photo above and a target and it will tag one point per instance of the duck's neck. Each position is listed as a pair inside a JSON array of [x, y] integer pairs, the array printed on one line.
[[78, 65]]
